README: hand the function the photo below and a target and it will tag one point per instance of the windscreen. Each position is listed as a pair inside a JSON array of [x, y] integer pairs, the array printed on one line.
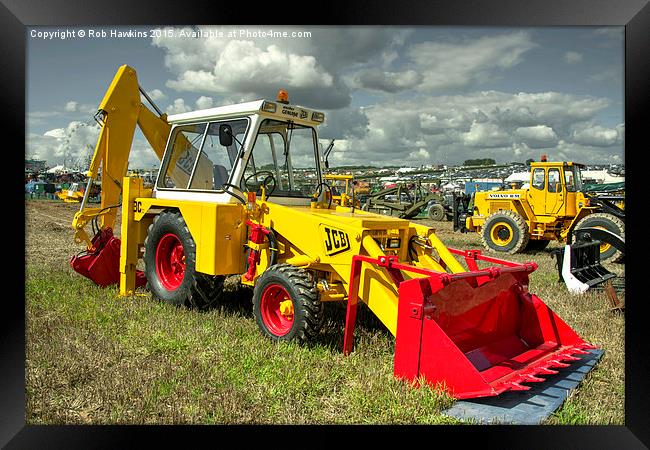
[[284, 154]]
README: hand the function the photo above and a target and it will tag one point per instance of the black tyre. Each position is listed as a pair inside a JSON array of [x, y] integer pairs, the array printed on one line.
[[505, 231], [610, 223], [170, 261], [436, 212], [286, 304], [536, 245]]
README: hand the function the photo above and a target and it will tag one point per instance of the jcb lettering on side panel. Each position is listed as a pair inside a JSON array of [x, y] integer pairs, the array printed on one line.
[[334, 240]]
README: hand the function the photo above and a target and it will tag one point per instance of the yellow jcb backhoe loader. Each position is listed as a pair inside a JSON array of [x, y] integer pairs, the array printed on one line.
[[240, 191]]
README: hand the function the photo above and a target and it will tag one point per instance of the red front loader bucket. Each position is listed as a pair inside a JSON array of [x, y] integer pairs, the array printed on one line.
[[480, 338], [478, 333], [102, 265]]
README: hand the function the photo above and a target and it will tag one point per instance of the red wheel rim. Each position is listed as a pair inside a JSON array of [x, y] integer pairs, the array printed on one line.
[[170, 261], [277, 310]]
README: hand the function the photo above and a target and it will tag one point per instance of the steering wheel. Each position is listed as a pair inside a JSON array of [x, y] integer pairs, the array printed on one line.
[[318, 192], [269, 175]]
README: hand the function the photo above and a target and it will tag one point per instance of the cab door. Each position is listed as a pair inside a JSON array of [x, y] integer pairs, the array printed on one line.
[[555, 195], [537, 191]]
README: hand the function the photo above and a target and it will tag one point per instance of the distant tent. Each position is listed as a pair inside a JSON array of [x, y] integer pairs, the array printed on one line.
[[57, 169], [518, 177]]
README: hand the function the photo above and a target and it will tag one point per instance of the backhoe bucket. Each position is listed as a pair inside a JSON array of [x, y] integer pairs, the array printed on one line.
[[102, 264], [479, 333]]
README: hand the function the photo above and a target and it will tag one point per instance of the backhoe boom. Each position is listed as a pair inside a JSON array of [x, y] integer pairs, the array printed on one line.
[[119, 112]]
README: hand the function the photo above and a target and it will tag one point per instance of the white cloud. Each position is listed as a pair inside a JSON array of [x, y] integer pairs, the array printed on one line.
[[608, 74], [71, 106], [204, 102], [597, 135], [537, 136], [421, 155], [610, 32], [72, 144], [259, 67], [57, 133], [156, 94], [178, 107], [377, 79], [243, 66], [452, 128], [456, 65], [573, 57], [486, 135]]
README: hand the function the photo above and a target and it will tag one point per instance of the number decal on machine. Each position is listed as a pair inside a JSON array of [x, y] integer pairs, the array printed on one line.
[[137, 206], [334, 240]]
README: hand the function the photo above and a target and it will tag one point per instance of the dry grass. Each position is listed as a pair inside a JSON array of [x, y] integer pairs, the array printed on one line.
[[94, 357]]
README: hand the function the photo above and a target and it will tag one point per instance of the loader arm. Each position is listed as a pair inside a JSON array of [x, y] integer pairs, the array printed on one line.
[[119, 112]]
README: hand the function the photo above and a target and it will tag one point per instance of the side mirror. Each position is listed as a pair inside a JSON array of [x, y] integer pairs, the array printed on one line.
[[225, 135]]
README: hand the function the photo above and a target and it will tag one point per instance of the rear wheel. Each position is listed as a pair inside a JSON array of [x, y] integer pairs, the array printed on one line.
[[286, 305], [607, 222], [170, 261], [436, 212], [505, 231]]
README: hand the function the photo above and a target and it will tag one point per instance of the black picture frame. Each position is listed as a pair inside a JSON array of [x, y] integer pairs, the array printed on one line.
[[17, 15]]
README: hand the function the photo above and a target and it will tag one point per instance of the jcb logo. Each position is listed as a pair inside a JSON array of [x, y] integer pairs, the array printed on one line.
[[336, 241]]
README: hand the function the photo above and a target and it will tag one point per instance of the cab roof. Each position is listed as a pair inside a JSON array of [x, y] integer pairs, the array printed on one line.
[[557, 163], [282, 111]]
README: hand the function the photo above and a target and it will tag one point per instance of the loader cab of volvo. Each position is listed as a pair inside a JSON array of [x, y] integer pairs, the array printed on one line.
[[555, 188], [220, 154]]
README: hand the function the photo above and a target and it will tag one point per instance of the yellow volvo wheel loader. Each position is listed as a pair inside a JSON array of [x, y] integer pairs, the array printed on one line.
[[241, 192], [553, 208]]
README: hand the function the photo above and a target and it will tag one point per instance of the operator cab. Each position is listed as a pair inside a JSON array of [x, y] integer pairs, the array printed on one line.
[[553, 188], [218, 154]]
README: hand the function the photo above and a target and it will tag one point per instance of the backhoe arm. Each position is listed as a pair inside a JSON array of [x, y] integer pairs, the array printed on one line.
[[119, 113]]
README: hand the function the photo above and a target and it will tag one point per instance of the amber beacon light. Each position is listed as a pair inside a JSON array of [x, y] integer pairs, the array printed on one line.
[[283, 96]]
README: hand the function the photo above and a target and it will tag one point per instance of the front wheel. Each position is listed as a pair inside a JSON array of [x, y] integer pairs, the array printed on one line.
[[437, 212], [505, 231], [286, 304]]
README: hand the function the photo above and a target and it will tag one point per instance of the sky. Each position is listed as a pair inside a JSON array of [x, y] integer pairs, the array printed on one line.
[[400, 96]]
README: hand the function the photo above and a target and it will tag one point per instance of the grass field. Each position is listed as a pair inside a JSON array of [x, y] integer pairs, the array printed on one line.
[[96, 358]]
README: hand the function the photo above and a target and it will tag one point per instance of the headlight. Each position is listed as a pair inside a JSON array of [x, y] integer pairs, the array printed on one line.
[[269, 107], [392, 243], [318, 116]]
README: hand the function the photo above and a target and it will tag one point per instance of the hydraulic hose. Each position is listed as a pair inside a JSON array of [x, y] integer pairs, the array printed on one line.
[[273, 247]]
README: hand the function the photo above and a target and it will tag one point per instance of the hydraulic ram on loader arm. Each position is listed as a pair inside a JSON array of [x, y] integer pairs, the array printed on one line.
[[119, 113]]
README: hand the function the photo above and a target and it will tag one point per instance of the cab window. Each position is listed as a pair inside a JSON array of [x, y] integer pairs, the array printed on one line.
[[554, 184], [538, 178], [572, 179], [184, 146], [196, 160], [216, 161]]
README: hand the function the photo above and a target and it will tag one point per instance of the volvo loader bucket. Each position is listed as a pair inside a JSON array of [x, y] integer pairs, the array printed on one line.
[[477, 333], [579, 266], [101, 264]]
